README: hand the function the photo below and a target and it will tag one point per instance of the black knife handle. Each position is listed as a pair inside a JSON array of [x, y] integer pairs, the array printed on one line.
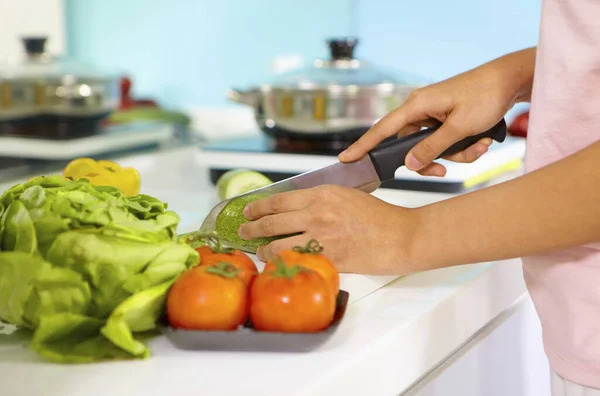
[[388, 157]]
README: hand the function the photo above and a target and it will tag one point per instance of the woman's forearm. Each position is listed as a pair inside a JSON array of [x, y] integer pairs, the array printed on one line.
[[552, 208], [515, 71]]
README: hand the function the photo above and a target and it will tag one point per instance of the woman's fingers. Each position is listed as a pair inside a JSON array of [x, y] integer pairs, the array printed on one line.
[[471, 153], [408, 129], [274, 248], [388, 126], [430, 148], [275, 225], [417, 126], [278, 203], [433, 169]]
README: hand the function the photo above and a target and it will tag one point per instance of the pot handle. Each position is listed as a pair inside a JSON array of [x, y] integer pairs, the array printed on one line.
[[241, 96]]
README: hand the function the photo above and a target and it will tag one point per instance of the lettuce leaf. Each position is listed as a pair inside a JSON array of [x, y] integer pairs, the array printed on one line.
[[57, 290], [18, 271], [117, 267], [139, 313], [31, 287], [72, 338], [19, 232]]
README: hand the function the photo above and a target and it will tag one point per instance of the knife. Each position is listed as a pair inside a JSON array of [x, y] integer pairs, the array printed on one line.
[[366, 174]]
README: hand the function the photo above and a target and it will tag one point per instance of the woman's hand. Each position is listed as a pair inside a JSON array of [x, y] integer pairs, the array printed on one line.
[[359, 233], [467, 104]]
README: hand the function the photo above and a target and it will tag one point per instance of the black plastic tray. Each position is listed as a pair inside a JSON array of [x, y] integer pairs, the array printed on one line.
[[247, 339]]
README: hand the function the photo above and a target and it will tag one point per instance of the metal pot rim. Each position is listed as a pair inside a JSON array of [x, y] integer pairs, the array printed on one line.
[[58, 78], [334, 89]]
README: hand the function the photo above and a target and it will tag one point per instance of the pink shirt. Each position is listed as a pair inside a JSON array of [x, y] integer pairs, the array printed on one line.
[[565, 118]]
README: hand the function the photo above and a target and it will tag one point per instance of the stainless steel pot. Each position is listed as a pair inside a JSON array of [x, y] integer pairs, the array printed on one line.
[[49, 97], [342, 95]]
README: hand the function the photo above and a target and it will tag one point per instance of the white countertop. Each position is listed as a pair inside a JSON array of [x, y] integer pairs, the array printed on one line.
[[394, 333]]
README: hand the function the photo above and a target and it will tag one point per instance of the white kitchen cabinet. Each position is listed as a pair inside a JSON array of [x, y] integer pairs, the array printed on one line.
[[503, 360], [34, 18]]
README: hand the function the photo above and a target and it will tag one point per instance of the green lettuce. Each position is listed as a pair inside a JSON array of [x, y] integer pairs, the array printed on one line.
[[117, 267], [31, 288], [19, 232], [18, 272], [86, 268], [138, 313], [73, 338]]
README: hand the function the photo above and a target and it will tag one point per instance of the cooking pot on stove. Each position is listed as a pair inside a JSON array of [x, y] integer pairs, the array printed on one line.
[[341, 96], [51, 97]]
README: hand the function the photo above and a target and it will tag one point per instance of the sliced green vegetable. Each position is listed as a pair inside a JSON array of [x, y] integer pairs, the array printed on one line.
[[240, 181], [232, 217]]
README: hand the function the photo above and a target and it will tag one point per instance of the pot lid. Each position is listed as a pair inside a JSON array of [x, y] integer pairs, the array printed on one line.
[[341, 69], [35, 63]]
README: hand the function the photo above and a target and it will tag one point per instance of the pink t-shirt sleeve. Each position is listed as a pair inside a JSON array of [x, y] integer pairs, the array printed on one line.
[[565, 118]]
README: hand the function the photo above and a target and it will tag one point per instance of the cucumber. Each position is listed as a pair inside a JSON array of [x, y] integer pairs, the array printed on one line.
[[231, 218], [240, 181]]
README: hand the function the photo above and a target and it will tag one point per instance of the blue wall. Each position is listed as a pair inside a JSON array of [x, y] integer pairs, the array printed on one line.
[[441, 38], [187, 52]]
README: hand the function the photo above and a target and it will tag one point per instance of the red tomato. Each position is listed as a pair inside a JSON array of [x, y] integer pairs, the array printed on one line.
[[204, 252], [292, 300], [208, 298], [213, 253], [311, 257], [245, 265], [520, 125]]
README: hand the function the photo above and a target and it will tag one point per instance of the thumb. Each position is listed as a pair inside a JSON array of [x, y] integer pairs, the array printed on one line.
[[428, 149]]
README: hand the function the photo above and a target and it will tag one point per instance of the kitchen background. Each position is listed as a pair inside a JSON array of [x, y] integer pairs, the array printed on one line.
[[186, 53]]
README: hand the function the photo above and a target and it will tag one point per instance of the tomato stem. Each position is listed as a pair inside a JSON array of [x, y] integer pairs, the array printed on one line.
[[312, 247], [210, 239], [283, 270], [226, 270]]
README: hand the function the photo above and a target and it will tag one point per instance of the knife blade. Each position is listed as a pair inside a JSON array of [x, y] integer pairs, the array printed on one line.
[[366, 174]]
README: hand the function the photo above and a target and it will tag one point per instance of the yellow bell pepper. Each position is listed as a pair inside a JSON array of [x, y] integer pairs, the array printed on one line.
[[104, 173]]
